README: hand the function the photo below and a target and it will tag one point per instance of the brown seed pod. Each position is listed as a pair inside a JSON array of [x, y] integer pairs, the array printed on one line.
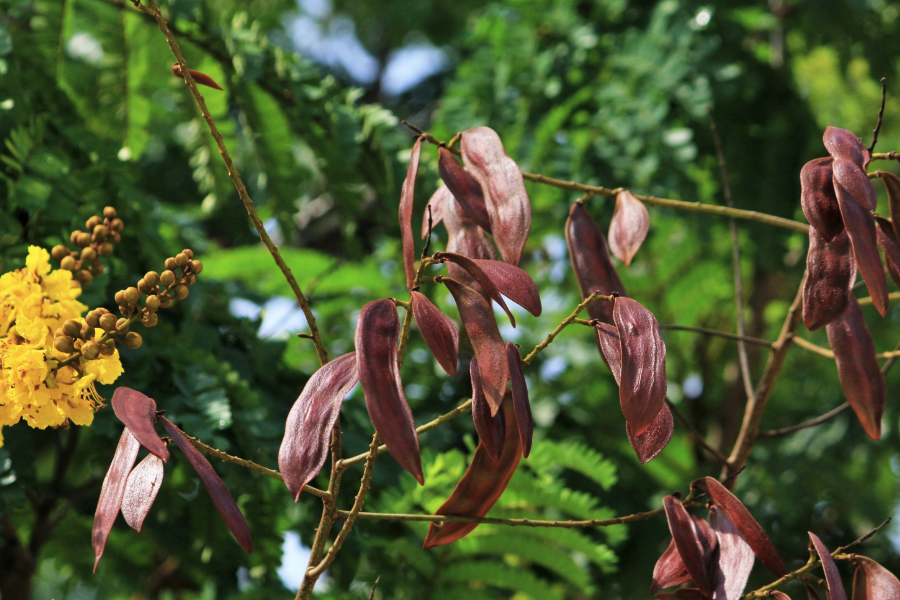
[[687, 541], [642, 386], [468, 239], [141, 490], [732, 563], [843, 145], [307, 432], [407, 196], [481, 486], [474, 269], [377, 330], [871, 581], [669, 570], [438, 330], [610, 348], [504, 190], [890, 247], [520, 398], [138, 413], [491, 429], [860, 376], [478, 319], [832, 575], [629, 226], [514, 283], [112, 492], [590, 261], [892, 185], [829, 283], [649, 444], [218, 492], [818, 199], [198, 77], [464, 188]]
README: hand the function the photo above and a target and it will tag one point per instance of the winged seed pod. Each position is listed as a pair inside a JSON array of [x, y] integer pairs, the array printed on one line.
[[832, 576], [829, 282], [138, 413], [464, 188], [491, 429], [743, 521], [670, 570], [307, 432], [871, 581], [687, 541], [468, 239], [890, 247], [437, 202], [438, 330], [649, 444], [480, 487], [112, 491], [818, 199], [377, 331], [642, 385], [892, 185], [520, 398], [590, 261], [478, 319], [473, 269], [501, 182], [407, 195], [857, 365], [141, 490], [629, 226], [732, 561], [610, 347], [198, 77]]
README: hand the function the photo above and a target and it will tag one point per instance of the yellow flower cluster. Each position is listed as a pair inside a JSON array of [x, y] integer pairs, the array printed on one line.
[[35, 302]]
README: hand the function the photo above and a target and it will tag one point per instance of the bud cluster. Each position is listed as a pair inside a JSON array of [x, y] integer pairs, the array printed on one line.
[[97, 241]]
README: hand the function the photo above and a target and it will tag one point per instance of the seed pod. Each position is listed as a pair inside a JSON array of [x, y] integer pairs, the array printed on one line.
[[687, 541], [732, 563], [520, 398], [610, 348], [818, 199], [642, 387], [504, 190], [377, 330], [407, 195], [590, 261], [138, 412], [744, 522], [670, 570], [832, 576], [307, 432], [871, 581], [829, 283], [198, 77], [843, 145], [110, 500], [514, 283], [473, 269], [468, 239], [219, 494], [141, 490], [464, 188], [478, 319], [481, 486], [629, 226], [650, 443], [857, 365], [890, 247], [437, 202], [438, 331], [892, 186], [491, 429]]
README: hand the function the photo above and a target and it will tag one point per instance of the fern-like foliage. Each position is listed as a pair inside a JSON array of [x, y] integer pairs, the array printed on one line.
[[496, 561]]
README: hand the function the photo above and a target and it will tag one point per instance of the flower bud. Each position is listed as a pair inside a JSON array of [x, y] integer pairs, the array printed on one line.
[[196, 267], [79, 344], [105, 249], [117, 225], [152, 303], [152, 278], [109, 212], [84, 240], [59, 252], [64, 344], [190, 279], [181, 259], [151, 320], [133, 340], [108, 322], [107, 348], [188, 252], [167, 278], [114, 237], [50, 380], [144, 288], [93, 222], [59, 331], [89, 254], [132, 295], [97, 269], [84, 277], [125, 310], [122, 325], [72, 328], [101, 311], [100, 231], [74, 237], [68, 263], [120, 297], [93, 318], [181, 292], [171, 265], [165, 302], [87, 332], [90, 350]]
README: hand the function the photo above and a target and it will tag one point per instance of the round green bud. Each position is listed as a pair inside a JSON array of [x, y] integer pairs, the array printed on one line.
[[152, 278], [181, 259], [171, 265], [64, 344], [93, 318], [122, 325], [196, 267], [167, 278], [84, 240], [89, 254], [90, 350], [181, 292], [72, 328], [59, 252], [84, 277], [105, 249], [108, 322], [132, 295], [152, 303], [109, 212], [68, 263], [133, 340], [93, 222]]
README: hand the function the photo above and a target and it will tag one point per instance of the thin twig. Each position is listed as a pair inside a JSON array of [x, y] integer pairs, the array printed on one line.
[[697, 436], [717, 333], [880, 115], [868, 299], [828, 353], [806, 424], [374, 585], [736, 260], [566, 322]]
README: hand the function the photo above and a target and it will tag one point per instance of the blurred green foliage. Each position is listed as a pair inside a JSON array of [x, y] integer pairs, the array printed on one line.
[[599, 91]]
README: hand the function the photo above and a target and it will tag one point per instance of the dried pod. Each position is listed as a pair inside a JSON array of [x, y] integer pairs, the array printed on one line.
[[520, 398], [650, 443], [892, 185], [610, 347], [473, 269], [480, 487], [856, 183], [737, 513], [491, 429], [514, 283], [642, 387], [307, 432], [733, 560], [871, 581], [478, 319], [377, 331], [112, 492], [890, 247], [843, 145], [141, 490], [629, 226], [464, 188], [590, 261], [468, 239], [832, 576], [138, 413], [501, 182], [670, 570], [687, 541], [857, 365], [829, 283], [438, 330], [437, 202], [407, 195], [198, 77], [818, 199], [219, 494]]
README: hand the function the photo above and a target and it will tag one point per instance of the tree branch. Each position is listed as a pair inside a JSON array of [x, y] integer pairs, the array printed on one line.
[[717, 333], [880, 115], [565, 323]]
